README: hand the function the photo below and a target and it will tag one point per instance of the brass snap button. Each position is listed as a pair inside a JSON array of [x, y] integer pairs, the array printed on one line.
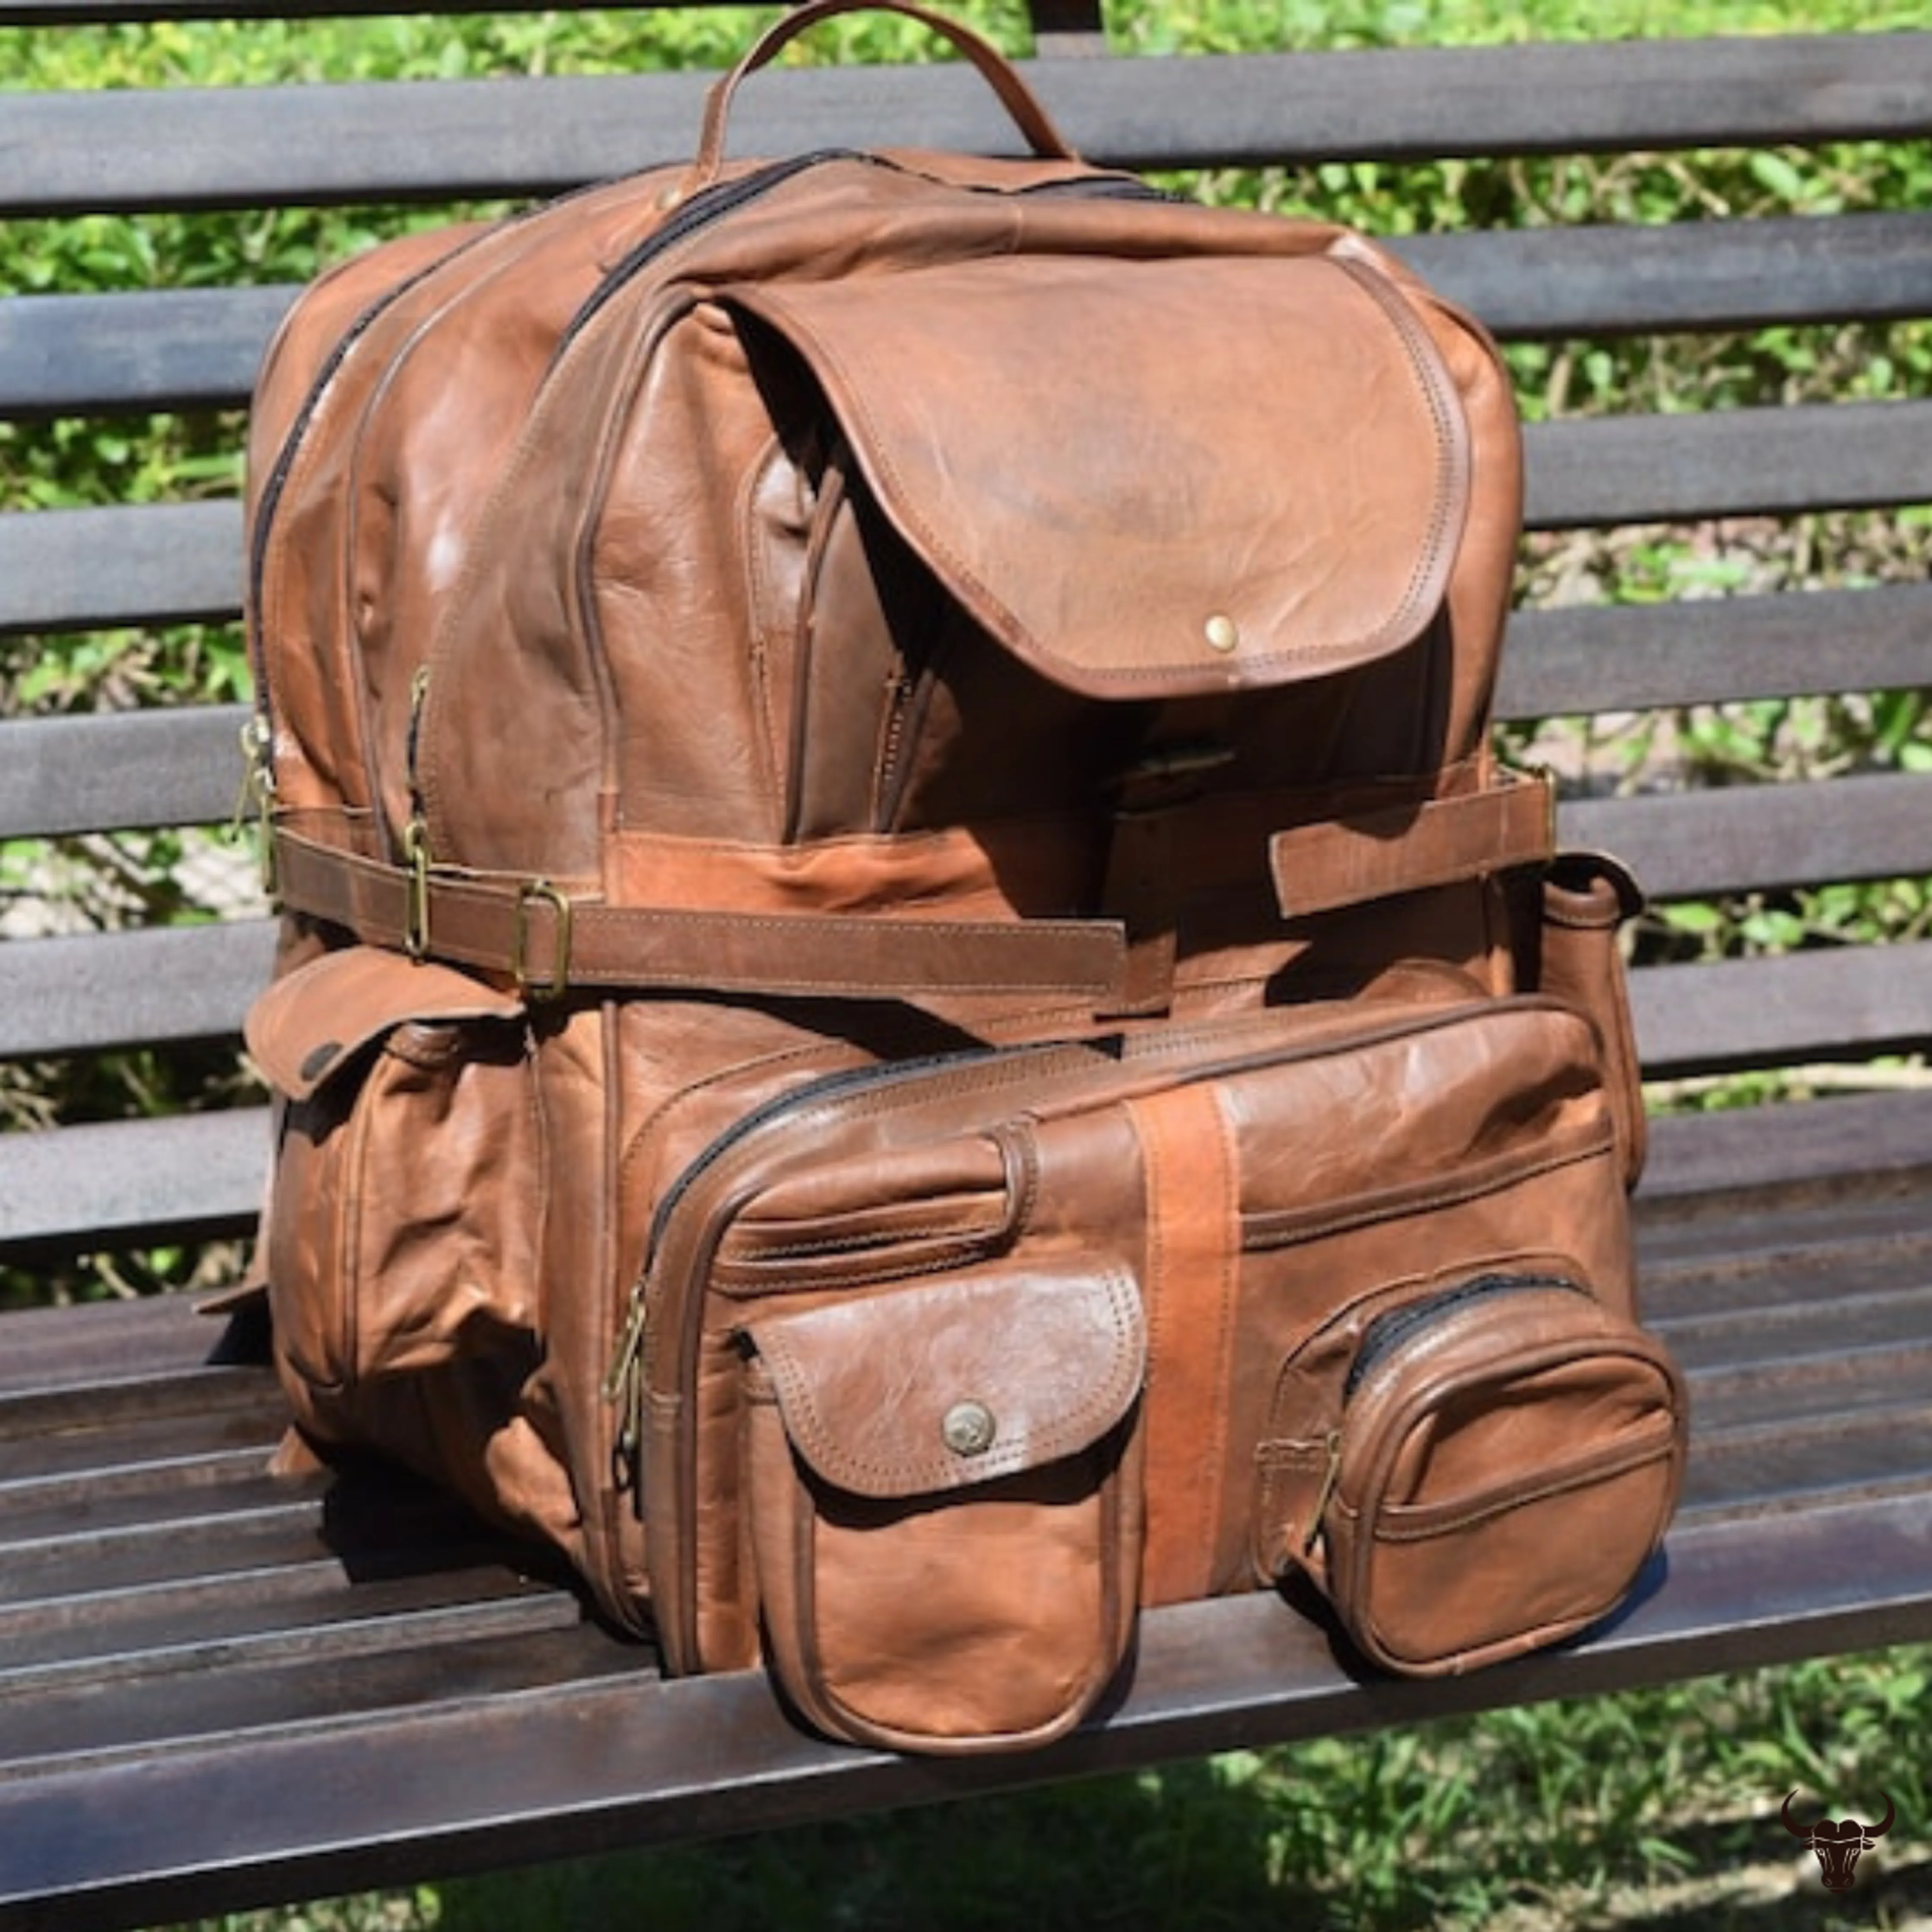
[[1222, 632], [968, 1429]]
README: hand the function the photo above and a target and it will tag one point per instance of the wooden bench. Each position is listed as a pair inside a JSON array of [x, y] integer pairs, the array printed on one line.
[[218, 1689]]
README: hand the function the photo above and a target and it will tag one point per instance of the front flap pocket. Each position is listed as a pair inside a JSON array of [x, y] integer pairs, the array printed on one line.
[[404, 1217], [944, 1506], [1500, 1460], [1055, 456], [309, 1027]]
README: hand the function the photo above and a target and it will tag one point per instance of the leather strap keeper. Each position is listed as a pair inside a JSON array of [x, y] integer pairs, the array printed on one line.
[[1404, 848], [543, 939]]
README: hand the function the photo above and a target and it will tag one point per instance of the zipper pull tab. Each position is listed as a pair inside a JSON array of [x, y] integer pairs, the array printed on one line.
[[1330, 1476], [629, 1354], [418, 697], [257, 795], [415, 833], [624, 1385]]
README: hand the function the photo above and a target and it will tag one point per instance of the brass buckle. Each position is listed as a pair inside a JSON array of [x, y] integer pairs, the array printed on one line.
[[540, 993], [416, 909]]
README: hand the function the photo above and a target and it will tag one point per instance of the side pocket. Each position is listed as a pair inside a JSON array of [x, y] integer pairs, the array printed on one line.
[[1586, 897], [405, 1209], [1487, 1471], [945, 1503]]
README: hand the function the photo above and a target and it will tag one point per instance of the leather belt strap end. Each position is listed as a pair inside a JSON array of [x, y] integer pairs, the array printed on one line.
[[1405, 848]]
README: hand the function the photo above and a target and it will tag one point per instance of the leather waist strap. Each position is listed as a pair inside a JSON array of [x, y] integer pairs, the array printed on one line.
[[1352, 859], [546, 941]]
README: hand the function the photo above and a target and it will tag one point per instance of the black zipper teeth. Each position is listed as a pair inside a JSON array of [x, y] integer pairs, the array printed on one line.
[[278, 475], [724, 198], [271, 490], [1110, 187], [711, 204], [1388, 1333], [825, 1087]]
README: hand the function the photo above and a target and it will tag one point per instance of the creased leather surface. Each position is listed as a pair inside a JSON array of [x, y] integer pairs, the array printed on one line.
[[959, 690], [1104, 520]]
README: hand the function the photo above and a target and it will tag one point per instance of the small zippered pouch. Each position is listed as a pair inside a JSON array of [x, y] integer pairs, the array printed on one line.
[[1471, 1468]]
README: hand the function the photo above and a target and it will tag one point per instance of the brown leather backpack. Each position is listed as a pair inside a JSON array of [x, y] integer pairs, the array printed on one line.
[[914, 1012]]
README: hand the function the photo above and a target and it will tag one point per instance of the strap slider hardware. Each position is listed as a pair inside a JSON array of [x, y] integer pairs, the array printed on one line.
[[416, 910], [556, 981]]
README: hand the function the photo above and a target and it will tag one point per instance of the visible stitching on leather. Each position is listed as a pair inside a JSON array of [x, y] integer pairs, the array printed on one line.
[[1074, 1430], [1621, 1462], [1431, 381]]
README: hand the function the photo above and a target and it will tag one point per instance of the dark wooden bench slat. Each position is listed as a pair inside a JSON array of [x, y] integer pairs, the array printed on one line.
[[77, 570], [112, 989], [1850, 1148], [120, 771], [1607, 280], [1707, 1277], [188, 147], [189, 982], [190, 349], [82, 569], [264, 1525], [1242, 1669], [146, 1353], [1784, 1010], [117, 1183], [1693, 844], [47, 1443], [1564, 662], [248, 1646], [623, 1760], [116, 771], [372, 1670], [106, 1185], [155, 349], [1735, 462]]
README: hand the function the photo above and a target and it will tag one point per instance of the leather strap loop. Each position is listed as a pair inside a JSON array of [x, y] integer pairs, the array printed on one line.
[[1404, 848], [1018, 100], [501, 927]]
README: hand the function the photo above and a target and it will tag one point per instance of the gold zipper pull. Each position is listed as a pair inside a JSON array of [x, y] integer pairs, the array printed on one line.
[[1330, 1476], [257, 795], [624, 1384], [629, 1354]]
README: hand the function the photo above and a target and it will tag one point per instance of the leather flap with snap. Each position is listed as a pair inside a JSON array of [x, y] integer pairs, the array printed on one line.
[[954, 1382], [1154, 479]]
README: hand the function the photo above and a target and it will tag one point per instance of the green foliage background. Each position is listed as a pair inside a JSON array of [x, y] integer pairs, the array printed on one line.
[[1646, 1809]]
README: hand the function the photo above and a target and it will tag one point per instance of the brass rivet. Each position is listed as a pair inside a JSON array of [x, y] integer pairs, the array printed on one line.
[[968, 1428], [1222, 632]]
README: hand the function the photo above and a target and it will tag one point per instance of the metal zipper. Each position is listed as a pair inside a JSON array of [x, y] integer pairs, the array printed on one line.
[[710, 205], [623, 1378], [1390, 1332], [285, 457]]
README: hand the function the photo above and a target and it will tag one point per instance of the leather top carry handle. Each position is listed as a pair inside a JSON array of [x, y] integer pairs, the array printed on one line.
[[1018, 100]]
